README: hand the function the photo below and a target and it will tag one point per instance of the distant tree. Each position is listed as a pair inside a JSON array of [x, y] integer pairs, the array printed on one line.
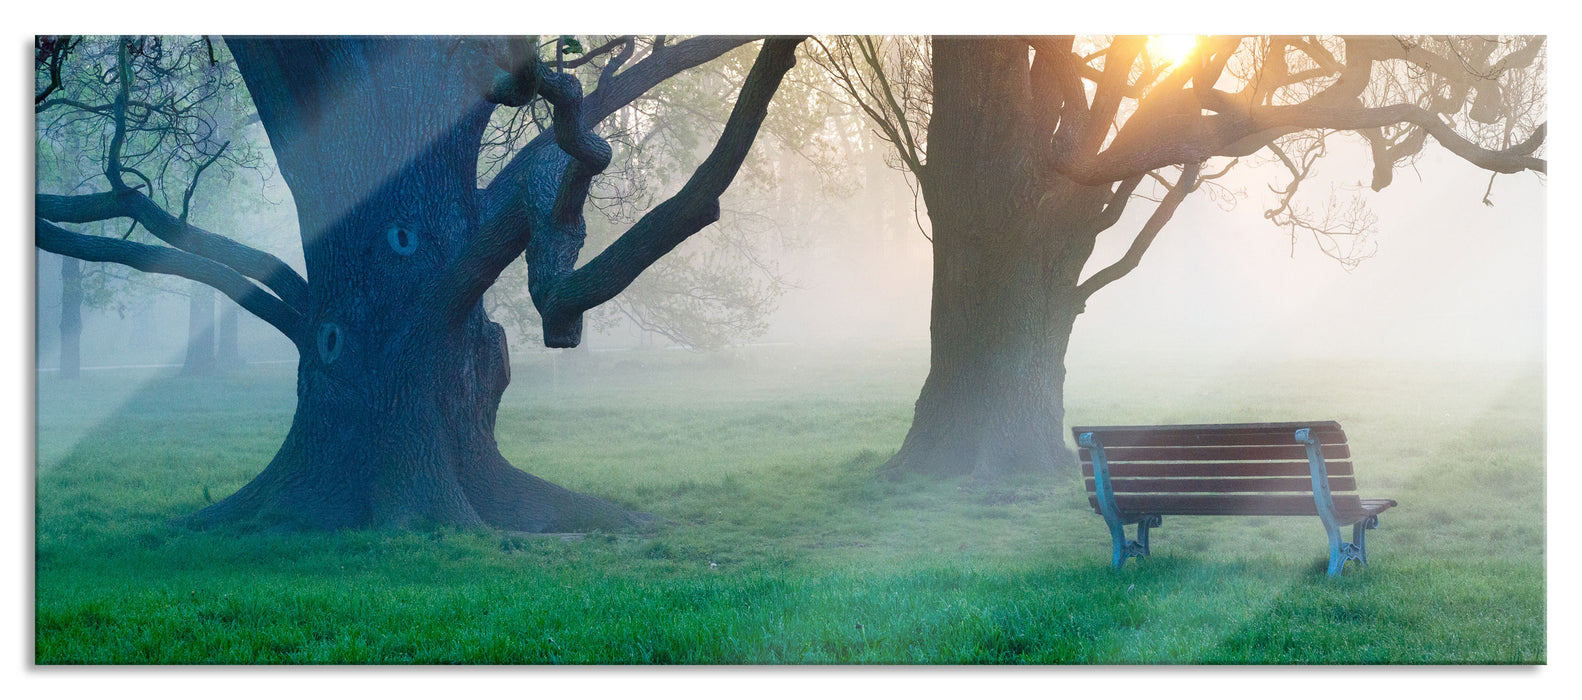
[[1026, 148], [401, 370], [70, 318], [183, 98]]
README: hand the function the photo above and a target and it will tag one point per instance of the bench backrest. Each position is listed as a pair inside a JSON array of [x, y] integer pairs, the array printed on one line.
[[1225, 469]]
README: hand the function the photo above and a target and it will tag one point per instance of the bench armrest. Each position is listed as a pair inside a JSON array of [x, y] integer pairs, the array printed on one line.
[[1102, 489], [1320, 475]]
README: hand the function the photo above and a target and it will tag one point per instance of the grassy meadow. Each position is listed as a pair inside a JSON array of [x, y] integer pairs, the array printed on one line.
[[783, 546]]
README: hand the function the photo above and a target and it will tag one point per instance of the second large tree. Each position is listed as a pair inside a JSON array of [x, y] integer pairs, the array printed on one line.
[[1026, 148]]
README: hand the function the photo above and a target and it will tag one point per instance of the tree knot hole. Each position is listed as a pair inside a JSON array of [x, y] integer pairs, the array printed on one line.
[[402, 240], [329, 342]]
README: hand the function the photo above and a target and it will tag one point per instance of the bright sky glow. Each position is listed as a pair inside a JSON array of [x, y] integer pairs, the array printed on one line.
[[1171, 48]]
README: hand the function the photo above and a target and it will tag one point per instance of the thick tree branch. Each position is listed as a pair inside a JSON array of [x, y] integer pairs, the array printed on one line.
[[497, 245], [590, 154], [507, 205], [170, 261], [1148, 144], [628, 46], [1145, 237], [1044, 80], [1111, 89], [695, 206], [516, 218], [123, 74], [126, 203], [1063, 71]]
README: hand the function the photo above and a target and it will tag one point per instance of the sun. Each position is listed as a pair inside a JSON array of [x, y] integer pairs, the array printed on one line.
[[1171, 48]]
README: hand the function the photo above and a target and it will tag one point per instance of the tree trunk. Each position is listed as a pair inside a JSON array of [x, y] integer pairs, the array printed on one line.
[[1009, 244], [200, 332], [1001, 318], [396, 429], [396, 395], [70, 317], [227, 354]]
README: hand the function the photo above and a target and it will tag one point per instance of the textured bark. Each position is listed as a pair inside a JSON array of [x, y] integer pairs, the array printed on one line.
[[396, 400], [410, 444], [401, 370]]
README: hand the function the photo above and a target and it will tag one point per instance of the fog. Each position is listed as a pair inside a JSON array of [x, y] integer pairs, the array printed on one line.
[[1450, 279]]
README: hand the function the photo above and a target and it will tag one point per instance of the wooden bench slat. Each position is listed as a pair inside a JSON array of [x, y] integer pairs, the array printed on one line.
[[1294, 452], [1213, 469], [1350, 507], [1303, 484], [1375, 506], [1204, 438], [1328, 432]]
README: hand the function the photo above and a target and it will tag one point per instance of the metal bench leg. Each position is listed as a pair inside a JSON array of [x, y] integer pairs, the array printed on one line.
[[1140, 547], [1337, 547], [1117, 541], [1122, 548], [1359, 536], [1341, 551]]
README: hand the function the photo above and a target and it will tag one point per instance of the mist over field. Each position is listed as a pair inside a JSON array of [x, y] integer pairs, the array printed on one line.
[[1450, 279]]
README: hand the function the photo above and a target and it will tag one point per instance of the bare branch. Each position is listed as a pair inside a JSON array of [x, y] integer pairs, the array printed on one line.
[[603, 49], [875, 99], [1116, 206], [128, 203], [631, 83], [1145, 237], [50, 52], [186, 199], [870, 54]]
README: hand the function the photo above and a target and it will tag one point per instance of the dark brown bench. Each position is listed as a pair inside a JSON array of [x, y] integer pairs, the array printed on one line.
[[1138, 473]]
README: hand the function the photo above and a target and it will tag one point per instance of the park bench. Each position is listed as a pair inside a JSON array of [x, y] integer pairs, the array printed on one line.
[[1138, 473]]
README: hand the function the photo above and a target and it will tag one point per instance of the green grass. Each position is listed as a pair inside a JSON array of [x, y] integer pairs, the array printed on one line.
[[784, 547]]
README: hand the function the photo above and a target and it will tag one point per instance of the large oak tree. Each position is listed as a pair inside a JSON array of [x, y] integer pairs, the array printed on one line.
[[1025, 149], [401, 370]]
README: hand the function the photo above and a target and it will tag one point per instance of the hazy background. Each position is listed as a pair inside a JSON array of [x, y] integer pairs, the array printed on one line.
[[1451, 279]]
